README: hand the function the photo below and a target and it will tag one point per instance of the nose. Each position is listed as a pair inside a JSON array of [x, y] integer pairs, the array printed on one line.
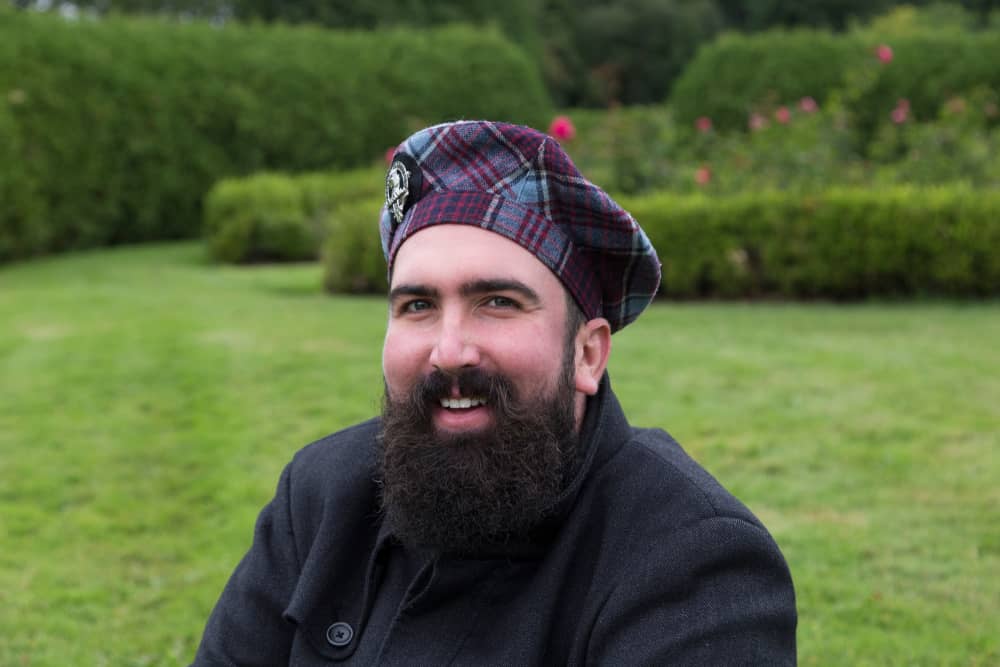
[[455, 347]]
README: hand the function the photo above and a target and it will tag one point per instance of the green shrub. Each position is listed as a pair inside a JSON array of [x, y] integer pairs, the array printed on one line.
[[926, 70], [258, 218], [839, 244], [280, 217], [352, 251], [735, 75], [115, 129]]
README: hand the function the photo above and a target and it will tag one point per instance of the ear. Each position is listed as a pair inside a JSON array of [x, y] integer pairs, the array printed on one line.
[[593, 345]]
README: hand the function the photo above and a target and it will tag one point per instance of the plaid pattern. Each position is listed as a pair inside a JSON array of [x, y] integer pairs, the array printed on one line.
[[519, 183]]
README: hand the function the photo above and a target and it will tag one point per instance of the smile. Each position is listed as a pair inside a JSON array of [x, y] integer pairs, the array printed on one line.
[[461, 403]]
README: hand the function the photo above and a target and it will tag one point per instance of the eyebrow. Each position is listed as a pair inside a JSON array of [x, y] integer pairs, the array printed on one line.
[[400, 291], [470, 288], [486, 285]]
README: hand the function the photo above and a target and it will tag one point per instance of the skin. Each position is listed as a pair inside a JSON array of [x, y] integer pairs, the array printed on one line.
[[464, 297]]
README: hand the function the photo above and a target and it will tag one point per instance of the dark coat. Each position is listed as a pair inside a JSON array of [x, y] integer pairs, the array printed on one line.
[[648, 561]]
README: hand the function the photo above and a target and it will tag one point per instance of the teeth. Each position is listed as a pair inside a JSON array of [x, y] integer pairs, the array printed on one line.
[[461, 403]]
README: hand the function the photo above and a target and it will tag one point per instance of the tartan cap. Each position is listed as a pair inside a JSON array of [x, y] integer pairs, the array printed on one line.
[[519, 183]]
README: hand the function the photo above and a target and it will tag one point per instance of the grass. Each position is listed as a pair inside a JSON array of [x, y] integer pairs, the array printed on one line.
[[148, 401]]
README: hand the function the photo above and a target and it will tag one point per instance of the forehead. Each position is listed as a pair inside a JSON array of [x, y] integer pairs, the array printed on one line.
[[459, 252]]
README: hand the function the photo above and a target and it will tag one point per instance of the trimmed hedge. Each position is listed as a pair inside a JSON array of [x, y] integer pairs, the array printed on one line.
[[352, 251], [838, 244], [279, 217], [112, 131], [841, 244]]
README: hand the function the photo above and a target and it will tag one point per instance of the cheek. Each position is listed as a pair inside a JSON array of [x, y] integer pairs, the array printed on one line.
[[403, 359], [533, 355]]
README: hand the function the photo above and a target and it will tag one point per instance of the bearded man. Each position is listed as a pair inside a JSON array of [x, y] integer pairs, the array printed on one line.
[[502, 511]]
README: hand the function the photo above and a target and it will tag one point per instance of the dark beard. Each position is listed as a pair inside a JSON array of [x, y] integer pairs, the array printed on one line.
[[464, 493]]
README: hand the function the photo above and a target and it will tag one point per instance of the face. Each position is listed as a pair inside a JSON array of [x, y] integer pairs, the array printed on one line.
[[465, 298], [485, 386]]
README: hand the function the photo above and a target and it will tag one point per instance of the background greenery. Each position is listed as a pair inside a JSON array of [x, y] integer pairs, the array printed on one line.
[[151, 396], [151, 399], [112, 131], [592, 52]]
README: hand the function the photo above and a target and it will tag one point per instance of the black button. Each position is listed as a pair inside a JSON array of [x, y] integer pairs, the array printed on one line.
[[339, 634]]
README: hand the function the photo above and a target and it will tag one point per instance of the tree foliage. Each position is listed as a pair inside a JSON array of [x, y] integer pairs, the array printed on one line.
[[591, 52]]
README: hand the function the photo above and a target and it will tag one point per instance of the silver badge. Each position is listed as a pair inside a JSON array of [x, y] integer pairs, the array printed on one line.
[[397, 189]]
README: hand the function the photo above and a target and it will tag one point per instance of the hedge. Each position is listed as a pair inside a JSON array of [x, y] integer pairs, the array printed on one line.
[[280, 217], [113, 130], [841, 244], [738, 74], [927, 70], [735, 74]]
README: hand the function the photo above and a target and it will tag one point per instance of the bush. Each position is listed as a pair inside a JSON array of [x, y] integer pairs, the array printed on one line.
[[839, 244], [258, 218], [279, 217], [736, 74], [926, 70], [115, 129], [352, 252]]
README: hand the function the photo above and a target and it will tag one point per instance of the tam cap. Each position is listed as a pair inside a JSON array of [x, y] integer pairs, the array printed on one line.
[[519, 183]]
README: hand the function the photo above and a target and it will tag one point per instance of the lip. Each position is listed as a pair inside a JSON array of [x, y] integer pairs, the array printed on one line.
[[464, 419]]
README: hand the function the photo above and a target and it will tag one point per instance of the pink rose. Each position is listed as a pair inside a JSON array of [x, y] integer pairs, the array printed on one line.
[[783, 115], [703, 175], [884, 53], [808, 105], [389, 152], [562, 128], [757, 122], [704, 124]]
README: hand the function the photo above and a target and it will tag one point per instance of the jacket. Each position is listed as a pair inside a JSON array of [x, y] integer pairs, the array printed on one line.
[[647, 560]]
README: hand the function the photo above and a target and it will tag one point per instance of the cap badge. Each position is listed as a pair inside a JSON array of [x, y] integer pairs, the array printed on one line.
[[397, 190]]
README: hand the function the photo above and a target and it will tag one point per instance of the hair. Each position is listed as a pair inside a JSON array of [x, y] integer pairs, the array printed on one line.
[[574, 318]]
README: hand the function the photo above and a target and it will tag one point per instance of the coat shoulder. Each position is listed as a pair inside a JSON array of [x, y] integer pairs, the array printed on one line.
[[345, 453], [659, 473], [333, 479]]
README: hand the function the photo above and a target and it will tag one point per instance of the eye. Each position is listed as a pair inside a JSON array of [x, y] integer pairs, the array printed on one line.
[[415, 306], [501, 302]]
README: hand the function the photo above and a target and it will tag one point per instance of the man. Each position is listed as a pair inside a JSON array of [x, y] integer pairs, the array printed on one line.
[[502, 511]]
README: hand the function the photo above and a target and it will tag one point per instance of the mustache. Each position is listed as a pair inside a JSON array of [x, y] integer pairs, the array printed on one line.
[[495, 389]]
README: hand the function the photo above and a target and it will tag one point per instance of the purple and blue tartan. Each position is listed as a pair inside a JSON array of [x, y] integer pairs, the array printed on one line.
[[519, 183]]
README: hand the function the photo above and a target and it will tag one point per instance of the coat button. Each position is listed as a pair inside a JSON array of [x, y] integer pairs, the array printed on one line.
[[339, 634]]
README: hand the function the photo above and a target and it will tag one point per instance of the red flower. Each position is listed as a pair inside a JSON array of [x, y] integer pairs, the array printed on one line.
[[783, 115], [389, 152], [562, 128], [703, 175], [884, 53], [704, 124], [808, 105]]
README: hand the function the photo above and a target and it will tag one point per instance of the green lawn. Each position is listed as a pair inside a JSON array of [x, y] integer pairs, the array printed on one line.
[[149, 400]]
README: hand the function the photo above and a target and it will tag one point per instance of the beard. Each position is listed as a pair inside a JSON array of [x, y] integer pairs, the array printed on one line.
[[468, 492]]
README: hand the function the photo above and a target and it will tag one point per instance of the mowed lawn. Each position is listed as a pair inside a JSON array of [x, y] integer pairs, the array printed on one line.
[[148, 401]]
